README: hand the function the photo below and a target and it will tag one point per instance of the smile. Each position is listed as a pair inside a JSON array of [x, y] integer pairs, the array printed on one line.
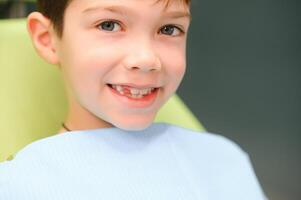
[[131, 91], [134, 97]]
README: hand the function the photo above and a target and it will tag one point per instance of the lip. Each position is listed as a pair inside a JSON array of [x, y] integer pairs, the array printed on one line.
[[133, 85], [143, 102]]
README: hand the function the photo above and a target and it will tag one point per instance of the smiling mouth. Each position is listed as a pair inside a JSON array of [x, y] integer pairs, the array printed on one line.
[[133, 93]]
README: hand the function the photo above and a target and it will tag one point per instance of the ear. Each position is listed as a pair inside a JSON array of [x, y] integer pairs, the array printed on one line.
[[43, 36]]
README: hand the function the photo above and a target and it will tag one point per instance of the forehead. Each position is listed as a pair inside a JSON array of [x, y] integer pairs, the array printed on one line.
[[162, 5]]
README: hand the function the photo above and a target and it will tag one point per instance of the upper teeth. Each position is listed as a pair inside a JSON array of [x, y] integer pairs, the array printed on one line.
[[134, 91]]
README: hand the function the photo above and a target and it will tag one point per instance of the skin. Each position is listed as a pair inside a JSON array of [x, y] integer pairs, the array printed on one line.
[[135, 51]]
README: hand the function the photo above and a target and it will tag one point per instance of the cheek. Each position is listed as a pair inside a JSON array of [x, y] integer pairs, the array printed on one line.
[[87, 65], [175, 65]]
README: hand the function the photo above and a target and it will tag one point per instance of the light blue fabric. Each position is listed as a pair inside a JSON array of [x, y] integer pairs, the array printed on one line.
[[162, 162]]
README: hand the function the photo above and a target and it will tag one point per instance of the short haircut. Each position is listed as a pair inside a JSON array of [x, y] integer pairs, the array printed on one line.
[[55, 10]]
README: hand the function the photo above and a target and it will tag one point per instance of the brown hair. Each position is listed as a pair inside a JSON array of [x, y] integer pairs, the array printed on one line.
[[55, 10]]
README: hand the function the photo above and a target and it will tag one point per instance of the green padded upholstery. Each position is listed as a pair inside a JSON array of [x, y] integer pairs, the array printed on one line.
[[32, 98]]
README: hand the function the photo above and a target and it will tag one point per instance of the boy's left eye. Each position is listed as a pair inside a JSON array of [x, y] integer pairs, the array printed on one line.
[[171, 30]]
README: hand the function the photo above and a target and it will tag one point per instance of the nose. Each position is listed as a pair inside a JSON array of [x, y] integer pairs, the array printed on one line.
[[142, 56]]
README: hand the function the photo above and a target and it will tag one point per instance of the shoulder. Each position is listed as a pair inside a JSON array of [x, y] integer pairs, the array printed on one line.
[[206, 142], [222, 161]]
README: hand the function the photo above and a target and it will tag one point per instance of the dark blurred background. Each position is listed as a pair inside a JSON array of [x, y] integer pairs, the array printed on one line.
[[243, 81]]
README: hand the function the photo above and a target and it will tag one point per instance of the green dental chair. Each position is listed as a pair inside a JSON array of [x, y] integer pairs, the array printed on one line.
[[32, 99]]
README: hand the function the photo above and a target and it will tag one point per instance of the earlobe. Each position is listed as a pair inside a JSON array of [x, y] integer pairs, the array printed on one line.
[[42, 36]]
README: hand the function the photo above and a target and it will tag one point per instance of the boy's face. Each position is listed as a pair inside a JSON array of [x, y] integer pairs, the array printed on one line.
[[135, 44]]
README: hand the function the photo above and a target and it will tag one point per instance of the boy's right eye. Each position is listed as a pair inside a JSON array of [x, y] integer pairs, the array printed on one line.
[[111, 26]]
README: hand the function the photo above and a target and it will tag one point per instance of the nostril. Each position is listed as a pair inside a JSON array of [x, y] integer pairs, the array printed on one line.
[[143, 68]]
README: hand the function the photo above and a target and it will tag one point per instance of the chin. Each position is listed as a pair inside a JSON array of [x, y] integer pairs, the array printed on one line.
[[134, 125]]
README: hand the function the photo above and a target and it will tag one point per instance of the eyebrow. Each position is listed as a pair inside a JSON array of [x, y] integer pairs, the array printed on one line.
[[122, 10], [178, 14]]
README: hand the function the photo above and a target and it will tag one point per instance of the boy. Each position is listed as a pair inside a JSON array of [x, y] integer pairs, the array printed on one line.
[[121, 60]]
